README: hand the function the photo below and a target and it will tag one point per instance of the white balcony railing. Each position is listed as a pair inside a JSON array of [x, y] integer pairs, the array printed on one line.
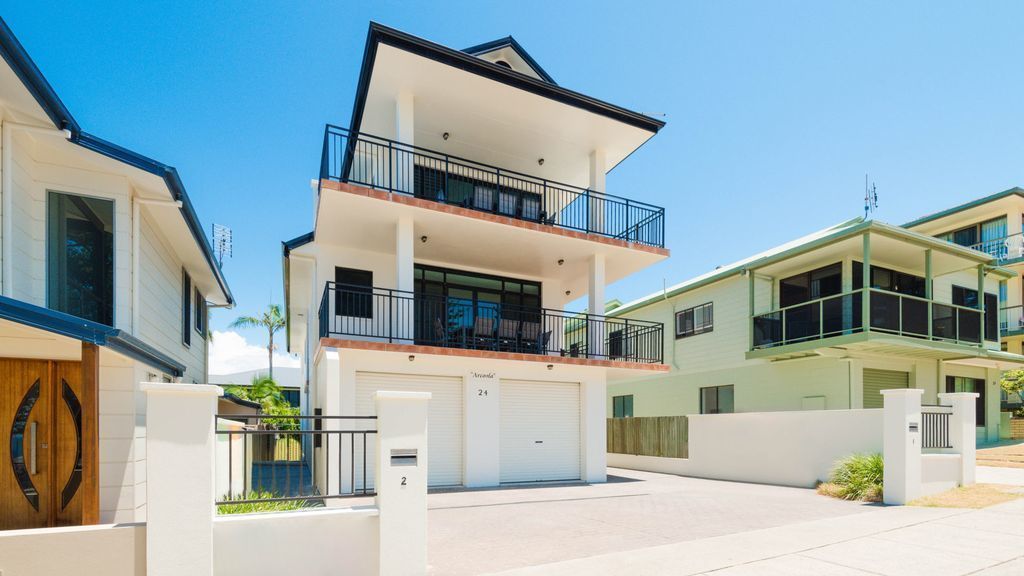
[[1003, 249]]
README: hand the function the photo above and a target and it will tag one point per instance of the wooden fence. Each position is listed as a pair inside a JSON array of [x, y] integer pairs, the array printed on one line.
[[281, 447], [665, 436]]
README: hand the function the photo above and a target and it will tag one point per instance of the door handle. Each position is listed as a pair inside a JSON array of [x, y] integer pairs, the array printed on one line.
[[32, 448]]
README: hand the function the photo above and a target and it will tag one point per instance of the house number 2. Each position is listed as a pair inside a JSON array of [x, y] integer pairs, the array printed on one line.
[[403, 480], [481, 392]]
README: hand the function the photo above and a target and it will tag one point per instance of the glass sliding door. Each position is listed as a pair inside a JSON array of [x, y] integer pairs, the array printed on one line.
[[80, 256]]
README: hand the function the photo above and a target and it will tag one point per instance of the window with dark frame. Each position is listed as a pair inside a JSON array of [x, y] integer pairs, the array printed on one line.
[[80, 256], [200, 321], [717, 399], [963, 384], [969, 297], [186, 308], [353, 294], [622, 406], [696, 320]]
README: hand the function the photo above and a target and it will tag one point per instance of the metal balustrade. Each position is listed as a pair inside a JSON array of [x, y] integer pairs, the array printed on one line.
[[890, 313], [398, 316], [1011, 319], [376, 162], [294, 458], [1003, 249]]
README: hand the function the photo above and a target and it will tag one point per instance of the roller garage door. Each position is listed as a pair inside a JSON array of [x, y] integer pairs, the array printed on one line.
[[877, 380], [540, 431], [444, 422]]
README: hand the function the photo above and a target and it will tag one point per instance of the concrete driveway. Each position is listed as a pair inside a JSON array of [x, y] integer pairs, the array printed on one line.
[[479, 532]]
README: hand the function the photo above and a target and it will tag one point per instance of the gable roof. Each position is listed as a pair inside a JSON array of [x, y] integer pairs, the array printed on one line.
[[966, 206], [19, 61], [509, 41], [380, 34]]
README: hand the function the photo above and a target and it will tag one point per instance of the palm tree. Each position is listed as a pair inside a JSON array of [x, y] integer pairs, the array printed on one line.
[[272, 320]]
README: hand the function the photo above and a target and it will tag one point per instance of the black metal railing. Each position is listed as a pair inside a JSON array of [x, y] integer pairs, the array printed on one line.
[[377, 162], [890, 312], [388, 315], [269, 458], [935, 432]]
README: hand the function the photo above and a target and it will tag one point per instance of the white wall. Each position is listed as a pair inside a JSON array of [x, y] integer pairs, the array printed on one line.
[[334, 541], [160, 300], [786, 448], [939, 472], [103, 550]]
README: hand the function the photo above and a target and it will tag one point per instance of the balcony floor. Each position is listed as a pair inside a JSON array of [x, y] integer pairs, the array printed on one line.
[[878, 343], [490, 355]]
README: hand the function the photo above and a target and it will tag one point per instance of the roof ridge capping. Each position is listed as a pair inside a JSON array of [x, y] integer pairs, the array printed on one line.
[[965, 206]]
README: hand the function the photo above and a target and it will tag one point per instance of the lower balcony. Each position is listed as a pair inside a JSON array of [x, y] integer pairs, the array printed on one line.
[[837, 320], [400, 317]]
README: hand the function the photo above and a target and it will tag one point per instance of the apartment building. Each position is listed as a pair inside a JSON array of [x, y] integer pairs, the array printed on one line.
[[106, 281], [826, 322], [458, 213]]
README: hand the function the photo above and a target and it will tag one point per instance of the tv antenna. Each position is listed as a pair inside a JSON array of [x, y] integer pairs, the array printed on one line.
[[221, 242], [870, 197]]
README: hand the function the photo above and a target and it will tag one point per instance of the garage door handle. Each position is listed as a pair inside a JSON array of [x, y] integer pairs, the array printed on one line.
[[538, 441]]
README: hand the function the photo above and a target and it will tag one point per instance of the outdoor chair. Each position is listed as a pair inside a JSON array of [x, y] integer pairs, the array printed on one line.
[[483, 332], [508, 333], [440, 334], [528, 333]]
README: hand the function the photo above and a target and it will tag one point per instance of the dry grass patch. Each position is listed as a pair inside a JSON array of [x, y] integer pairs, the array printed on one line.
[[834, 490], [974, 496]]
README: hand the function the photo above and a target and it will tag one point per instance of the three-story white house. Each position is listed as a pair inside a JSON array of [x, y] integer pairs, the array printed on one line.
[[827, 322], [455, 217], [105, 278]]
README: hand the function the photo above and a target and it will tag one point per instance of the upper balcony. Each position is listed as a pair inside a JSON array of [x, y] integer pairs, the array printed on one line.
[[383, 164], [1005, 249]]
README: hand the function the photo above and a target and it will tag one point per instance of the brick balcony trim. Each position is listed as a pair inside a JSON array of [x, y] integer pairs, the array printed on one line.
[[484, 216], [488, 354]]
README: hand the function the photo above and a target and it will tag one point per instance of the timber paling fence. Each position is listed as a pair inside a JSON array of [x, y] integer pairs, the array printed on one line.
[[665, 436]]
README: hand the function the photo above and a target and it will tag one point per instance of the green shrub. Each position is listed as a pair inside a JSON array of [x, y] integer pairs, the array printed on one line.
[[856, 477], [252, 507]]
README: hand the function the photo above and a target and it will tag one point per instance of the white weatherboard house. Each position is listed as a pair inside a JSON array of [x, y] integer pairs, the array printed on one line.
[[461, 210], [827, 322], [106, 278]]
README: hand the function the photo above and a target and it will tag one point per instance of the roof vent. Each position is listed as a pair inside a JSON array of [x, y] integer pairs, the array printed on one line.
[[503, 63]]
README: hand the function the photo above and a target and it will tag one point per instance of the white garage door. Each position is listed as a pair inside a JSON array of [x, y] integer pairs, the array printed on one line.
[[444, 422], [877, 380], [540, 431]]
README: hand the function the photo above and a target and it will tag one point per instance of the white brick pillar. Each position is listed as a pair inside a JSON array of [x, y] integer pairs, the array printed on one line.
[[961, 430], [180, 479], [401, 482], [595, 305], [901, 445]]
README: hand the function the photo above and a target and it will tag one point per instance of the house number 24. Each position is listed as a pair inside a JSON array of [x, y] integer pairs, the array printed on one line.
[[481, 391]]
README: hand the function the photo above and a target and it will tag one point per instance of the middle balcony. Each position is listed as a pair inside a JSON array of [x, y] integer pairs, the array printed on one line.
[[480, 320]]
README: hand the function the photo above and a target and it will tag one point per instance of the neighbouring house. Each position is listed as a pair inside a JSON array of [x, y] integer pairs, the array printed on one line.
[[826, 322], [992, 224], [461, 210], [106, 281], [289, 379]]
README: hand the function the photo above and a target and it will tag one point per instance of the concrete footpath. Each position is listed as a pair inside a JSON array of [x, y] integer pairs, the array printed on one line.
[[897, 541]]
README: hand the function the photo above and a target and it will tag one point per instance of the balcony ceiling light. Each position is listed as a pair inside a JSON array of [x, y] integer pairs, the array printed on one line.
[[540, 161], [445, 135]]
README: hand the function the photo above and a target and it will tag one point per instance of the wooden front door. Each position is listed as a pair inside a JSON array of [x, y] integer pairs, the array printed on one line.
[[41, 443]]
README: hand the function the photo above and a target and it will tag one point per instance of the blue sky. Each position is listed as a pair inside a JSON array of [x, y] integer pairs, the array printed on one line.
[[775, 110]]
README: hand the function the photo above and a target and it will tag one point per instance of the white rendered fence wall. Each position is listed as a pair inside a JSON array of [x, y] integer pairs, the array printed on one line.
[[103, 550], [785, 448]]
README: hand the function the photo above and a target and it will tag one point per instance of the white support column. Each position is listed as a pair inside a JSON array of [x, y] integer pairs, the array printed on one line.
[[482, 401], [180, 479], [402, 307], [401, 482], [401, 158], [595, 305], [598, 172], [594, 430], [961, 430], [901, 445]]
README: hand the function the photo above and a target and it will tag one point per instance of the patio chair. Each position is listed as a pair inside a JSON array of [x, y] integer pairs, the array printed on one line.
[[440, 334], [483, 332], [528, 333], [508, 333], [542, 342]]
